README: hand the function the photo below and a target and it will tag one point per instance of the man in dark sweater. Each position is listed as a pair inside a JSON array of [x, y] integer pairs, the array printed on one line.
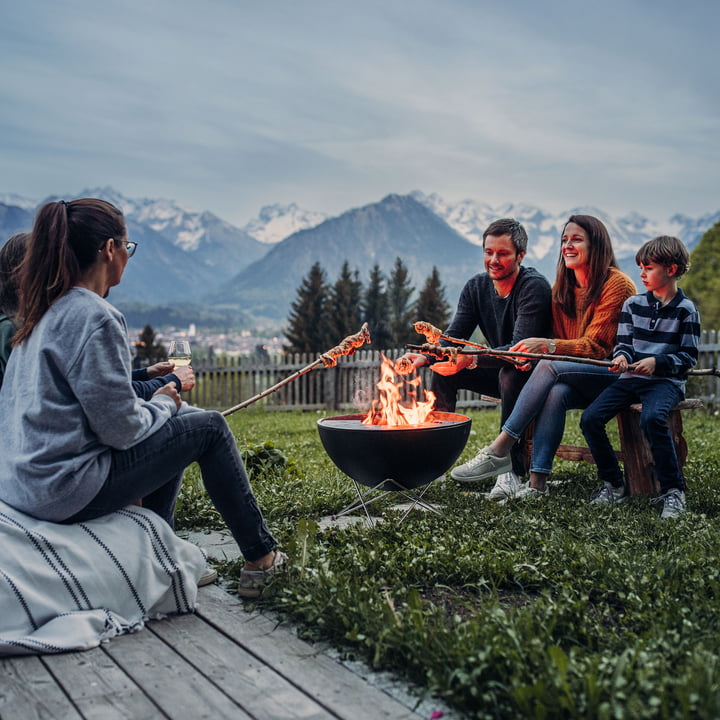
[[507, 303]]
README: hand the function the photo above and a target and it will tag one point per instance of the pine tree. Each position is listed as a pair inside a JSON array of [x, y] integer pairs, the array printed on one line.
[[375, 310], [431, 305], [343, 306], [147, 350], [702, 283], [401, 310], [307, 327]]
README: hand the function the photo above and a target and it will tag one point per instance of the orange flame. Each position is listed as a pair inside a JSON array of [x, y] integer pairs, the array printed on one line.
[[390, 408]]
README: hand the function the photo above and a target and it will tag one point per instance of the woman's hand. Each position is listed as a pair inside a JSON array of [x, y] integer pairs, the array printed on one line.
[[171, 391], [532, 345]]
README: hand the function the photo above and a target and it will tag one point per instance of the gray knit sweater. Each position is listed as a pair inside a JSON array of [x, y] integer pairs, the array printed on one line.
[[66, 401]]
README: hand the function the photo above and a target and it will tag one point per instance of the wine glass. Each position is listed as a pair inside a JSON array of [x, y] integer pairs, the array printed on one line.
[[179, 353]]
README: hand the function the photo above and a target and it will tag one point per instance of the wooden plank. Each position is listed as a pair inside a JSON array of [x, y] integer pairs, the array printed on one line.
[[252, 684], [29, 691], [98, 687], [330, 683], [174, 685]]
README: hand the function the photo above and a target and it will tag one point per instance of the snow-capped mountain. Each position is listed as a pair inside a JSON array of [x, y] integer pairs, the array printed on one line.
[[233, 275], [276, 222], [470, 218]]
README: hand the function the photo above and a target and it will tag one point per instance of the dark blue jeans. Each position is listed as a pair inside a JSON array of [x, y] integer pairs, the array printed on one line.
[[494, 378], [153, 469], [658, 398]]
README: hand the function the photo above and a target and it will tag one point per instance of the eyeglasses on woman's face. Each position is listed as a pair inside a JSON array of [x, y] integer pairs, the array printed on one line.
[[130, 246]]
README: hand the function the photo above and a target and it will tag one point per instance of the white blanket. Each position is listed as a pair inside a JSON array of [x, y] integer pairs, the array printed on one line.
[[69, 587]]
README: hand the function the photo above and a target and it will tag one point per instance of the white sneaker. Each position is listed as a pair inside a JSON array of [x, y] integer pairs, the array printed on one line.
[[483, 465], [506, 487], [526, 492]]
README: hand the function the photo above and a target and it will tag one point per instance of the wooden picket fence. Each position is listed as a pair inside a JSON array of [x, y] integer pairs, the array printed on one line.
[[350, 385]]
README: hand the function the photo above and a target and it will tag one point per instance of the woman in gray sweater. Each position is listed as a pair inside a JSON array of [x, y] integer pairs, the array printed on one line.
[[75, 441]]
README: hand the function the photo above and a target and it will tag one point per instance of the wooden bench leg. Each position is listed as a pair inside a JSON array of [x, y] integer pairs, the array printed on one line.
[[639, 464]]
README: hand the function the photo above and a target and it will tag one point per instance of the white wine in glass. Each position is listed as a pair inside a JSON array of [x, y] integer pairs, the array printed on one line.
[[179, 353]]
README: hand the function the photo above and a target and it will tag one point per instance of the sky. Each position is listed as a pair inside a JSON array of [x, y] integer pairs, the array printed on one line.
[[230, 105]]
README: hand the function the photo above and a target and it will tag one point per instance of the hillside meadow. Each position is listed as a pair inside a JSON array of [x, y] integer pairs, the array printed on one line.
[[544, 609]]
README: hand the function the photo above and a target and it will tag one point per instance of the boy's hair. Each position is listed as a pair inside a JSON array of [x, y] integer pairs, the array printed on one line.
[[665, 250]]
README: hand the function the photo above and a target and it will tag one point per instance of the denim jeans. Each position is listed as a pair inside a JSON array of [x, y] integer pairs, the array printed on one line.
[[153, 469], [492, 377], [658, 398], [554, 387]]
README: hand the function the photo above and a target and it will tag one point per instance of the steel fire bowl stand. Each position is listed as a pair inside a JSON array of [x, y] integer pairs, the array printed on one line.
[[389, 459]]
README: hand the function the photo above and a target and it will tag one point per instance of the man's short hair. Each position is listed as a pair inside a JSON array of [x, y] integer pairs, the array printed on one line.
[[511, 227], [665, 250]]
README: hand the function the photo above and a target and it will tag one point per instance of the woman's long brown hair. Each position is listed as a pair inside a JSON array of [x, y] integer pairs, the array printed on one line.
[[64, 242], [602, 258]]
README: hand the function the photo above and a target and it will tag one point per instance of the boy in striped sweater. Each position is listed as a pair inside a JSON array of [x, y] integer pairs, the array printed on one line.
[[657, 343]]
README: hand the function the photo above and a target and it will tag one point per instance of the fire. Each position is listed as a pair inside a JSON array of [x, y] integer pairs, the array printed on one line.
[[390, 408]]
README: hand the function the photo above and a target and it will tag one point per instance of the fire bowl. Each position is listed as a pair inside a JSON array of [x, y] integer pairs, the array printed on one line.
[[411, 455]]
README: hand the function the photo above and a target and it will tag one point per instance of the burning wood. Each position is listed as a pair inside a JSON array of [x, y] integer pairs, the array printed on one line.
[[347, 347], [390, 408]]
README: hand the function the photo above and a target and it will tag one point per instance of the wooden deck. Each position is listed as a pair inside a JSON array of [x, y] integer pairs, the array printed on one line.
[[220, 662]]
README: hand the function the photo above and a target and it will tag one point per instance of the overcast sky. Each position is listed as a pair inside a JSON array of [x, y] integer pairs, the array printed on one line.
[[228, 105]]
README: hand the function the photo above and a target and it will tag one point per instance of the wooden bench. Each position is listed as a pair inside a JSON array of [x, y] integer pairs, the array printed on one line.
[[634, 448]]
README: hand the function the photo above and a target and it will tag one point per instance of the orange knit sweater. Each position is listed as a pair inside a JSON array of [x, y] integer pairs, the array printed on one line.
[[592, 333]]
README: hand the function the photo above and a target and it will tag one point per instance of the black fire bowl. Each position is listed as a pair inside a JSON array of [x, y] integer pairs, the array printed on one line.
[[410, 456]]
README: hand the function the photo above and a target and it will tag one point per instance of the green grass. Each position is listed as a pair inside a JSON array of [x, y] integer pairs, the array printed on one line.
[[552, 609]]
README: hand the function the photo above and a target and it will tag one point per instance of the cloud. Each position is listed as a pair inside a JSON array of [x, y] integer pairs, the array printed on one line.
[[232, 105]]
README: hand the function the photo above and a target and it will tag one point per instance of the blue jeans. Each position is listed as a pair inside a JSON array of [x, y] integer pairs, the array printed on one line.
[[658, 398], [153, 469], [492, 377], [554, 388]]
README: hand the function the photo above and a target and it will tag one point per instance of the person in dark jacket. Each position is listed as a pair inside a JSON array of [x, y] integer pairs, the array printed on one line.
[[506, 303]]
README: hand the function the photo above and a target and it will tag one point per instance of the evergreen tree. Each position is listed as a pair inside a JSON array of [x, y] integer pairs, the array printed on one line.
[[401, 313], [307, 327], [702, 283], [431, 305], [147, 350], [343, 306], [375, 310]]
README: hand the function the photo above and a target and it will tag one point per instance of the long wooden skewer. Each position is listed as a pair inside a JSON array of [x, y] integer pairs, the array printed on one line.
[[439, 351], [328, 359]]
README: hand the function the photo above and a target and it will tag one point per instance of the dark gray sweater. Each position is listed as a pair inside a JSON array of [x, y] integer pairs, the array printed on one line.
[[524, 313]]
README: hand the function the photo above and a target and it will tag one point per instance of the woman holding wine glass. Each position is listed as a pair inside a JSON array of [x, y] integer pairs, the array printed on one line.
[[75, 440]]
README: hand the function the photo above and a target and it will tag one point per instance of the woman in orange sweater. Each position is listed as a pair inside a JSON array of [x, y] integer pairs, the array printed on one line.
[[588, 295]]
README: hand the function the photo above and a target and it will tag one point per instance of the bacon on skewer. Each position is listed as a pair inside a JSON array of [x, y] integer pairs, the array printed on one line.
[[347, 347]]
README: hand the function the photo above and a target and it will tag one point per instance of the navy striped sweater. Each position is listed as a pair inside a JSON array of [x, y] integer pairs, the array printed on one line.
[[670, 334]]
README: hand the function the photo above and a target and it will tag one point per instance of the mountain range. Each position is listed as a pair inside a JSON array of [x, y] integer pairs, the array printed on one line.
[[195, 267]]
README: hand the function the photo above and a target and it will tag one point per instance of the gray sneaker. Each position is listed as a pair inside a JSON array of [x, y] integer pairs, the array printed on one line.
[[673, 503], [608, 494], [506, 486], [483, 465]]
